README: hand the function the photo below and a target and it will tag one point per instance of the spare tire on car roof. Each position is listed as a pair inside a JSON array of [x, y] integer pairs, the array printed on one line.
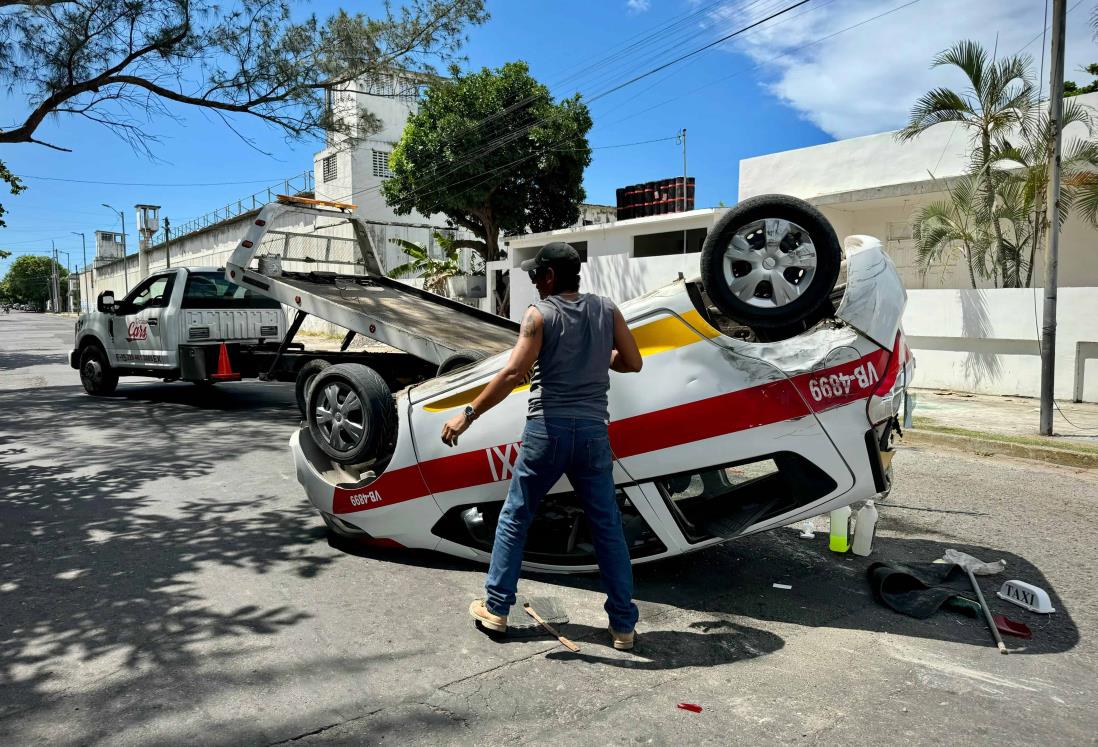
[[460, 359], [771, 262]]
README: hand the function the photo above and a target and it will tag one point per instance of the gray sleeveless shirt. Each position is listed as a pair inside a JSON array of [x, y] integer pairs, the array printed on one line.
[[572, 374]]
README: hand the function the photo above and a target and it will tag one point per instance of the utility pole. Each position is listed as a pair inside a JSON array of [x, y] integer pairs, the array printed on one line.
[[167, 242], [682, 139], [1048, 322], [84, 297], [55, 290]]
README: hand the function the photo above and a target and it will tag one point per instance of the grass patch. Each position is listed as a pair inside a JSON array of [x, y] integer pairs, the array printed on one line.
[[929, 424]]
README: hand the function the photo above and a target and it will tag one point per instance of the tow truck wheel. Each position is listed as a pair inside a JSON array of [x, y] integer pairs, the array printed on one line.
[[96, 374], [460, 359], [771, 262], [304, 380], [351, 412]]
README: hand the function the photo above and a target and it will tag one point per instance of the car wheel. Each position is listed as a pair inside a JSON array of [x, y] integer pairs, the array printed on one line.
[[304, 380], [96, 374], [771, 262], [351, 413], [460, 359]]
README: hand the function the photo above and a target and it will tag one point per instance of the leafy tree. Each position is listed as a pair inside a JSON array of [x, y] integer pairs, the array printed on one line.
[[990, 105], [28, 280], [14, 185], [1071, 89], [492, 152], [121, 62]]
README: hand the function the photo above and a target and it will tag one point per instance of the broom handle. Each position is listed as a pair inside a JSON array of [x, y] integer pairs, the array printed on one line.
[[567, 643], [987, 612]]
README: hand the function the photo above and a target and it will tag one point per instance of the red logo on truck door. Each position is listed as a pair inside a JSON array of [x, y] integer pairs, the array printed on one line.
[[138, 330]]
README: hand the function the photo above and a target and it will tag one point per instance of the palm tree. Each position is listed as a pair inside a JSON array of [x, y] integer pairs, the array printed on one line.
[[435, 272], [990, 105], [1022, 158], [956, 223]]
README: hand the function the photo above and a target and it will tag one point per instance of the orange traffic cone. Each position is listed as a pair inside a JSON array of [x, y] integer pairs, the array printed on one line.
[[224, 368]]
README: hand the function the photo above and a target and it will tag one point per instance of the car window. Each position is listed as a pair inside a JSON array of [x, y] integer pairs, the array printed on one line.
[[210, 290], [153, 293]]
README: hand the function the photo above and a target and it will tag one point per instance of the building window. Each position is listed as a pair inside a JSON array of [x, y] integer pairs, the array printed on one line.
[[381, 164], [669, 242], [329, 168]]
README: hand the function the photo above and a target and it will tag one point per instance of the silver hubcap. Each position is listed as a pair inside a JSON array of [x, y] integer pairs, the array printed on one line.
[[340, 416], [93, 372], [769, 263]]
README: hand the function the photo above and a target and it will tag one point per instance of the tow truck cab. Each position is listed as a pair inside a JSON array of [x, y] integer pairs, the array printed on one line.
[[172, 323]]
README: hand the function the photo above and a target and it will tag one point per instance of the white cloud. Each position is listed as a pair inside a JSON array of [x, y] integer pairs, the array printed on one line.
[[637, 6], [865, 80]]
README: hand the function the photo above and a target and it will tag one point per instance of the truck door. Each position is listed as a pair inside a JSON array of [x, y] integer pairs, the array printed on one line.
[[143, 339]]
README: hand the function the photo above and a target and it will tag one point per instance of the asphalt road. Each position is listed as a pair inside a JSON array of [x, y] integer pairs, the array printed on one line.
[[163, 581]]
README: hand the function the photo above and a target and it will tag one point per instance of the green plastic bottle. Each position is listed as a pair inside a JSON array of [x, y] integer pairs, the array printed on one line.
[[839, 540]]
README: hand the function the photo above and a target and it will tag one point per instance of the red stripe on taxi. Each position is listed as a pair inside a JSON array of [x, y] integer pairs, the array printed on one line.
[[756, 406]]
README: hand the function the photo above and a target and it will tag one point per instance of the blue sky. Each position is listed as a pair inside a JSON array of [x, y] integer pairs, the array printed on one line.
[[828, 69]]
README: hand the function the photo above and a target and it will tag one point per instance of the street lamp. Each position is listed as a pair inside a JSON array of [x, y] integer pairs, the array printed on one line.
[[125, 270], [84, 297]]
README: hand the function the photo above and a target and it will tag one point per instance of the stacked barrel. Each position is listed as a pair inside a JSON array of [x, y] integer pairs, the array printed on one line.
[[656, 198]]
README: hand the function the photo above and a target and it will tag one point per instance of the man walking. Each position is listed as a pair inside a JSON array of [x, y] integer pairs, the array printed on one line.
[[575, 338]]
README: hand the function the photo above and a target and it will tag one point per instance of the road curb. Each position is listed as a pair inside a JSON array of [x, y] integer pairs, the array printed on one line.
[[1051, 454]]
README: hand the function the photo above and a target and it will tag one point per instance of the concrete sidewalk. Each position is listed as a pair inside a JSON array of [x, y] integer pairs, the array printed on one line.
[[1006, 425]]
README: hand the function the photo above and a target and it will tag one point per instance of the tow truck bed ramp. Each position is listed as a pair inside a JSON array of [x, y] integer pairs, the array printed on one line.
[[415, 321]]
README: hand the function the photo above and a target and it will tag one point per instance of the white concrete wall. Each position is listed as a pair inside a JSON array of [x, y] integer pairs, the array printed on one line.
[[975, 319]]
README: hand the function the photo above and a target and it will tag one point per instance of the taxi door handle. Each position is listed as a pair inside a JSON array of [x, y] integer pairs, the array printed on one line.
[[152, 321]]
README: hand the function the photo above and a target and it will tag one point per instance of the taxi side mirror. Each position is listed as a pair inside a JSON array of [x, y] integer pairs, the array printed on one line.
[[105, 302]]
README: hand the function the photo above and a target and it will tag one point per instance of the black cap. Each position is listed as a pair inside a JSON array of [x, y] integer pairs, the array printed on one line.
[[551, 254]]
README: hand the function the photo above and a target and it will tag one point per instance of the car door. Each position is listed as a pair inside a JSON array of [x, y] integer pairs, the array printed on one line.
[[140, 339]]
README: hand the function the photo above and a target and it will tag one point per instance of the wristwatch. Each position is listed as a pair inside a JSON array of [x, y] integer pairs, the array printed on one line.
[[470, 413]]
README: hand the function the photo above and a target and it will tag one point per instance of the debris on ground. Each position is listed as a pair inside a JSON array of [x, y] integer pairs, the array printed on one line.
[[1012, 627]]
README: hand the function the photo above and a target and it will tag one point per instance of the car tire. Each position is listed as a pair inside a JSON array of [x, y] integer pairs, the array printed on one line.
[[304, 380], [460, 359], [775, 282], [96, 374], [351, 431]]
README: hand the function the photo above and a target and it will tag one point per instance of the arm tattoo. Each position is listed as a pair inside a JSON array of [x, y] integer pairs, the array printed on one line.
[[530, 326]]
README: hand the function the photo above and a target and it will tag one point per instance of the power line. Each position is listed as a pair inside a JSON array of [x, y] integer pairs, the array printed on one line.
[[711, 44], [146, 184], [501, 136], [641, 142], [764, 62]]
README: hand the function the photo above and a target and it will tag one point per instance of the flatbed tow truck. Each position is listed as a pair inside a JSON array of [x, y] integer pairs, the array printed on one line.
[[209, 325]]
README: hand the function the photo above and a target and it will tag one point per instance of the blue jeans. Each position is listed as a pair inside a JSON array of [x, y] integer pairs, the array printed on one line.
[[579, 448]]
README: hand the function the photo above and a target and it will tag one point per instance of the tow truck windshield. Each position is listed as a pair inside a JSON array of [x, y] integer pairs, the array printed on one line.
[[210, 290]]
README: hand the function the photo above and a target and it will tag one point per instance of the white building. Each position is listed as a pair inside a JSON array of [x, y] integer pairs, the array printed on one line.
[[982, 340], [874, 184], [352, 172]]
